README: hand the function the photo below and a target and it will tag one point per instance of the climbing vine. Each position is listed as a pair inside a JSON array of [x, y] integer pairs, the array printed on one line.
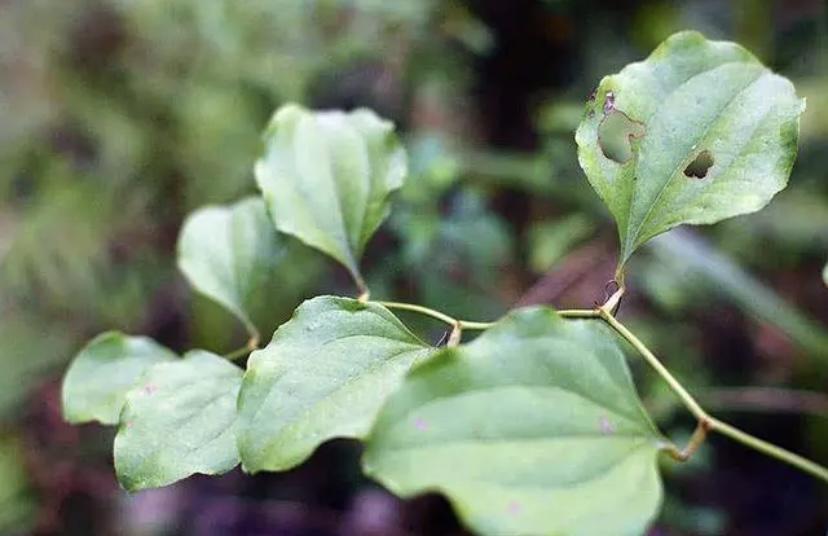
[[533, 427]]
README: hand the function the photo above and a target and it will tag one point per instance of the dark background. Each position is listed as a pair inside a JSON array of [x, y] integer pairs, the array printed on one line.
[[118, 117]]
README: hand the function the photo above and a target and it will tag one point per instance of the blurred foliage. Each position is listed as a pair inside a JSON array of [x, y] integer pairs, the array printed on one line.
[[119, 117], [16, 506]]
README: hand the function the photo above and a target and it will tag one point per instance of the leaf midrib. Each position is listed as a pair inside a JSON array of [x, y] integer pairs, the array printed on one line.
[[631, 241], [644, 426]]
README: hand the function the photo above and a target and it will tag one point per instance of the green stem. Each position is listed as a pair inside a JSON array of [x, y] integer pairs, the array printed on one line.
[[579, 313], [414, 308], [468, 324], [706, 421], [645, 352], [443, 317], [769, 449]]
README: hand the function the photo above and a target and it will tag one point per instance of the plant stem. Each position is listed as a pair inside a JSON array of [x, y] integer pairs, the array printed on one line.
[[579, 313], [433, 313], [645, 352], [756, 400], [465, 324], [414, 308], [769, 449], [706, 421], [468, 324]]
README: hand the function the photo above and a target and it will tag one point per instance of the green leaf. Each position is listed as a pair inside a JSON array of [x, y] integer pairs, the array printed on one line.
[[233, 255], [178, 421], [327, 176], [533, 428], [698, 132], [325, 374], [95, 386]]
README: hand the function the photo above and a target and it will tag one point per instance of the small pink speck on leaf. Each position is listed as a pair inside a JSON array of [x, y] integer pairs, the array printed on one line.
[[420, 424], [607, 428], [150, 388], [515, 508]]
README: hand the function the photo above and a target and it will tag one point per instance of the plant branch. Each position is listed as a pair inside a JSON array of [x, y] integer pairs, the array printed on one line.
[[769, 449], [468, 324], [414, 308], [756, 400], [653, 361], [706, 421]]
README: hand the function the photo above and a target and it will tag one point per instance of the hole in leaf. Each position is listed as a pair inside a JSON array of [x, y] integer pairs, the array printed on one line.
[[698, 167], [616, 133]]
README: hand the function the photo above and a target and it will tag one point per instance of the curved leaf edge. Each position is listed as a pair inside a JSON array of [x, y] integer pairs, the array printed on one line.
[[356, 305], [134, 485], [457, 504], [629, 244], [71, 415]]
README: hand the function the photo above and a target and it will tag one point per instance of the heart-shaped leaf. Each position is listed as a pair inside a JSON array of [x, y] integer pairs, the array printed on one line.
[[177, 421], [698, 132], [325, 374], [99, 377], [533, 428], [233, 255], [326, 177]]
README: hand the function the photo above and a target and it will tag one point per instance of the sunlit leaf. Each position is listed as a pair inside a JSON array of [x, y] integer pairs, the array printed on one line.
[[325, 374], [327, 176], [233, 255], [698, 132], [177, 421], [533, 428], [95, 386]]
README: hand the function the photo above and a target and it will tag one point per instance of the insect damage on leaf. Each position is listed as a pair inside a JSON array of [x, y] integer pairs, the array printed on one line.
[[690, 95], [617, 132], [698, 168]]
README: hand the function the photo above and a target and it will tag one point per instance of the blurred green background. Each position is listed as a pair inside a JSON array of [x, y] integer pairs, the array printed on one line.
[[118, 117]]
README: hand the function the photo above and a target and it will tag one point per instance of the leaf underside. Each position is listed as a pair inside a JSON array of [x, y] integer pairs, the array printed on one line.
[[325, 374], [327, 176], [691, 101], [177, 421], [533, 428]]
